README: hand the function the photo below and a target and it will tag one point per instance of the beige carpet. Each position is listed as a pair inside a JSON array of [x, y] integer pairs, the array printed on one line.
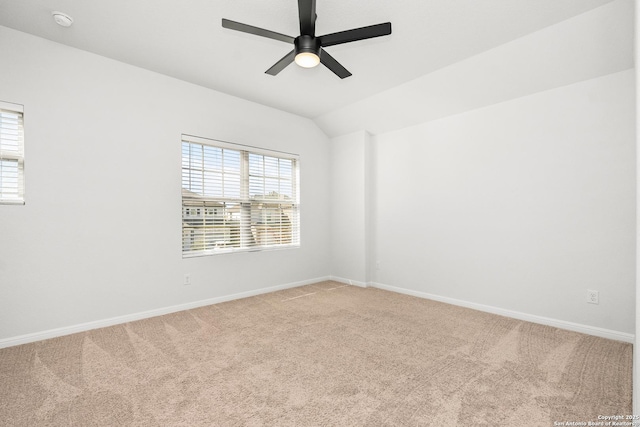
[[318, 355]]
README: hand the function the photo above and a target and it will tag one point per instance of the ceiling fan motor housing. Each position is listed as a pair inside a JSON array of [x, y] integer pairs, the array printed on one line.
[[307, 44]]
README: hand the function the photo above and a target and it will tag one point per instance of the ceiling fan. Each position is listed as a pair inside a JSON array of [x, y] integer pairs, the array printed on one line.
[[308, 49]]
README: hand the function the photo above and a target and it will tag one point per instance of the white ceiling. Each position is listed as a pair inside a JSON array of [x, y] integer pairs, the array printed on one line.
[[185, 39]]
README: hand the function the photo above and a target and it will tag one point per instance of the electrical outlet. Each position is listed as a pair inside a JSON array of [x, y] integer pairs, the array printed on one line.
[[592, 297], [187, 279]]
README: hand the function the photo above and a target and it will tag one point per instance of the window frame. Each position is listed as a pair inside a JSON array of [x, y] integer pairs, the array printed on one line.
[[246, 235], [14, 155]]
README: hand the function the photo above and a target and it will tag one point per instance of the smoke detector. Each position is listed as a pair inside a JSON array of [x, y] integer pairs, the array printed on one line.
[[62, 19]]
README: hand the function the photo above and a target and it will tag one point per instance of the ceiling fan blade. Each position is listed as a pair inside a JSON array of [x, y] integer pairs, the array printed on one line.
[[307, 13], [233, 25], [282, 64], [330, 62], [356, 34]]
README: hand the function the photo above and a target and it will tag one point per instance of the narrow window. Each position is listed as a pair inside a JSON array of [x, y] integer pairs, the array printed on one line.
[[11, 154]]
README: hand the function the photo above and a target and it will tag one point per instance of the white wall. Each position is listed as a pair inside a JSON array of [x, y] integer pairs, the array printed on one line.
[[350, 204], [522, 205], [504, 182], [99, 236]]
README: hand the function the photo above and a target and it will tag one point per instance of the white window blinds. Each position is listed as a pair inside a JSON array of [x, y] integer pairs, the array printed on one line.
[[237, 198], [11, 154]]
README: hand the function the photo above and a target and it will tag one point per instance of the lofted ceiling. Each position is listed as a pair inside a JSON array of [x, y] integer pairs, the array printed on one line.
[[185, 40]]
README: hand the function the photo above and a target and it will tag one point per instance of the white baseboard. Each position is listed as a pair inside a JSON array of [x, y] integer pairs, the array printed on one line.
[[561, 324], [82, 327], [348, 281], [576, 327]]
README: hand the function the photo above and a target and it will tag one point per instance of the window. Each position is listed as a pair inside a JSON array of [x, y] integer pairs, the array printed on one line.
[[237, 198], [11, 154]]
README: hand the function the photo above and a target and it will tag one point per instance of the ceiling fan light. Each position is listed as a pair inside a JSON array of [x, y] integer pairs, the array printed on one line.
[[307, 59]]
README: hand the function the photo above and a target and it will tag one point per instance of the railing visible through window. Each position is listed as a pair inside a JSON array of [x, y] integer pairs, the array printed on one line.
[[237, 198], [11, 154]]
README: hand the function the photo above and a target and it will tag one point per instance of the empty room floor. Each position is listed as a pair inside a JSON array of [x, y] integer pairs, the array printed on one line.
[[323, 354]]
